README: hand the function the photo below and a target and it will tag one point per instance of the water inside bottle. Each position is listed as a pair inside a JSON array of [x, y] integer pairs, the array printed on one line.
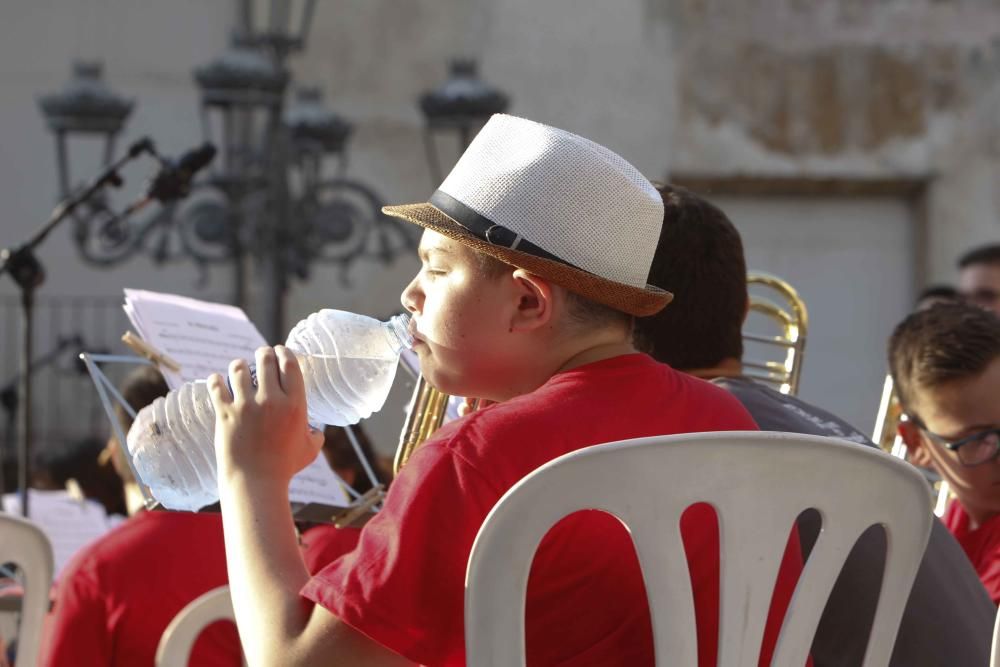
[[342, 390]]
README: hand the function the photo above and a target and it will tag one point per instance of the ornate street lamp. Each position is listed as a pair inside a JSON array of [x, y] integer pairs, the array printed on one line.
[[280, 26], [267, 198], [332, 213], [460, 106], [85, 106], [242, 93]]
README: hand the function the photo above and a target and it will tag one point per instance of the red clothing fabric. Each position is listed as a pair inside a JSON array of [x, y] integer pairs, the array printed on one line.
[[321, 545], [117, 596], [981, 545], [403, 585]]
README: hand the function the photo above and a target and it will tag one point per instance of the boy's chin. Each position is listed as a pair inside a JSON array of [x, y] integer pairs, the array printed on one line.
[[445, 382]]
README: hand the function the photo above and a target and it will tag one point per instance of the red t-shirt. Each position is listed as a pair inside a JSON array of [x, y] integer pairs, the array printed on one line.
[[981, 545], [403, 585], [117, 596], [321, 545]]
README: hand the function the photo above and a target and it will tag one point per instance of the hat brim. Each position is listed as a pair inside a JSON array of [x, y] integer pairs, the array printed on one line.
[[637, 301]]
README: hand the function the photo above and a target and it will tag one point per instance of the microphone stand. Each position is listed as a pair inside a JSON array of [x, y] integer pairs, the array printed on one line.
[[9, 391], [25, 269]]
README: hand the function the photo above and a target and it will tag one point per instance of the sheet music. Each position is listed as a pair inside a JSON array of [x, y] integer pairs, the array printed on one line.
[[69, 523], [316, 483], [203, 337]]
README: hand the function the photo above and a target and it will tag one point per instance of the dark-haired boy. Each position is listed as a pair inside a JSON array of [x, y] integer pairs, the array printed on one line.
[[534, 257], [979, 276], [699, 257], [946, 365]]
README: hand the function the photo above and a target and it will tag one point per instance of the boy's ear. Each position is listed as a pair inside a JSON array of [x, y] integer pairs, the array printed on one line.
[[534, 301], [915, 447]]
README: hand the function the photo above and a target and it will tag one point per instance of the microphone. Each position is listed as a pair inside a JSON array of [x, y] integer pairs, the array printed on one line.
[[173, 181]]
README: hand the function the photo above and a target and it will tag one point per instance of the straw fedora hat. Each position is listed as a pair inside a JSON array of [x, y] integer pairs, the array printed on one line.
[[555, 204]]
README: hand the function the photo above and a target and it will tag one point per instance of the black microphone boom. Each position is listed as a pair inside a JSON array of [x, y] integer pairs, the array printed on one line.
[[173, 181]]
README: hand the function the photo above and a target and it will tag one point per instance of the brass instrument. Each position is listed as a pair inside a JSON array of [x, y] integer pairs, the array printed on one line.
[[793, 320], [426, 414], [890, 413], [886, 436]]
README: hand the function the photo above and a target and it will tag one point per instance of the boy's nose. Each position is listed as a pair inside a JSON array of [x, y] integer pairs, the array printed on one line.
[[409, 296]]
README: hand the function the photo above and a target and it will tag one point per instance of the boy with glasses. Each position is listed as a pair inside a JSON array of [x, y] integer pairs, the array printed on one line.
[[946, 365]]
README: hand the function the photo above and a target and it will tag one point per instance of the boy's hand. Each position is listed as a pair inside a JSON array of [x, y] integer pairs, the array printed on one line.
[[262, 432]]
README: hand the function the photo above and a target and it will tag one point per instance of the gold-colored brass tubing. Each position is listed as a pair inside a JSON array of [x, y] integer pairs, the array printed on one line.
[[793, 321], [427, 412]]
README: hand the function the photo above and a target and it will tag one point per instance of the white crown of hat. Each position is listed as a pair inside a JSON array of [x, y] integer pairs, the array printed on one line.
[[565, 194]]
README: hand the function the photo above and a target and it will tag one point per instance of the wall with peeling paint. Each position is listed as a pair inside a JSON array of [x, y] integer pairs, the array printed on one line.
[[854, 88]]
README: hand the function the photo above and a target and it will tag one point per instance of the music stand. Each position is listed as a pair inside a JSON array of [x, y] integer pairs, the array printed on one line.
[[361, 509]]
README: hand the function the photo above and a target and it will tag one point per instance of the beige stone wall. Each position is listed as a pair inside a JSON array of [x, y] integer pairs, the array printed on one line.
[[854, 89]]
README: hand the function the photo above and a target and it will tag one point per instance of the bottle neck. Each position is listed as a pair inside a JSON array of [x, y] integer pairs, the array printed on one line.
[[398, 331]]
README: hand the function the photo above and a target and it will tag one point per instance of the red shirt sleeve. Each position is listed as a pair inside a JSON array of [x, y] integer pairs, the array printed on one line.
[[321, 545], [403, 585], [78, 632]]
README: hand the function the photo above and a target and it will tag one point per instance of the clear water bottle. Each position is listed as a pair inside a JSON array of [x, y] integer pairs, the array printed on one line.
[[348, 364]]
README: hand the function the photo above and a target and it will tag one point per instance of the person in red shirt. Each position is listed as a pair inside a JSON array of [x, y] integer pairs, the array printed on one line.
[[534, 260], [117, 596], [945, 362]]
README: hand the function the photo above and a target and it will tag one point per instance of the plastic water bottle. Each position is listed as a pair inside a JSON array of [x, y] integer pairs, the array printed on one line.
[[348, 364]]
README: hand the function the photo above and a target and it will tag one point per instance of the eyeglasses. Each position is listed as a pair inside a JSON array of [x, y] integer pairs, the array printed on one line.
[[972, 450]]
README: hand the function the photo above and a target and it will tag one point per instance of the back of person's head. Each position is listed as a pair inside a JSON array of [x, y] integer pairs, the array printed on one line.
[[140, 388], [80, 463], [935, 294], [699, 257], [942, 344], [984, 254]]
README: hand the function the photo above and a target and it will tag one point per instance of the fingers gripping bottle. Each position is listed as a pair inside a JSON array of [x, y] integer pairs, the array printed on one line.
[[348, 364]]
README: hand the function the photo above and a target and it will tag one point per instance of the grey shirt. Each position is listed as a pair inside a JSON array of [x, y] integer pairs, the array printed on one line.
[[949, 617]]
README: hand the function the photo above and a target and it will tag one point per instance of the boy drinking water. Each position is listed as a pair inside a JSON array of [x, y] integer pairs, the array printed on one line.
[[534, 258]]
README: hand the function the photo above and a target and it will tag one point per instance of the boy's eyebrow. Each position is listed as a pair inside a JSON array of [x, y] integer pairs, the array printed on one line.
[[423, 252]]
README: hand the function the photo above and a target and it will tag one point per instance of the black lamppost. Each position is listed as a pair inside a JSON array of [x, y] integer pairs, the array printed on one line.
[[266, 204], [460, 106], [86, 106]]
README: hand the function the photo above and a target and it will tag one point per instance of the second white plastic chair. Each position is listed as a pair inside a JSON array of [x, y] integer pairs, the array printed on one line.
[[178, 639], [24, 544], [758, 484]]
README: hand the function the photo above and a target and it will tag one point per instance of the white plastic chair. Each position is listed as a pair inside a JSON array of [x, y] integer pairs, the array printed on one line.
[[995, 653], [758, 483], [178, 639], [24, 543]]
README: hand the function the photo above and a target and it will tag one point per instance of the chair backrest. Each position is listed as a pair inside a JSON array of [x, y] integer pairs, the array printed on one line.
[[24, 543], [995, 653], [178, 639], [758, 484]]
